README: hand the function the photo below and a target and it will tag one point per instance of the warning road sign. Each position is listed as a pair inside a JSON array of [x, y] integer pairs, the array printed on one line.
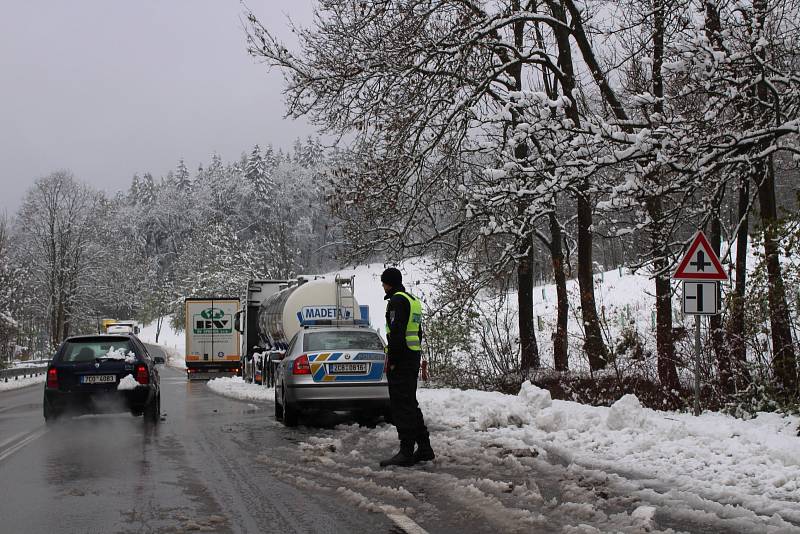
[[700, 262]]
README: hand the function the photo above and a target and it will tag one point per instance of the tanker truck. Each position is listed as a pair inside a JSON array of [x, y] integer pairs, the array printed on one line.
[[277, 309], [246, 323]]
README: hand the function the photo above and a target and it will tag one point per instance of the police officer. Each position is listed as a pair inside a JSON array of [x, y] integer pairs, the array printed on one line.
[[403, 334]]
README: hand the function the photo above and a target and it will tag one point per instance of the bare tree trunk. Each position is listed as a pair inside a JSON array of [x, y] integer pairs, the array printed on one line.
[[722, 350], [159, 322], [560, 352], [529, 356], [665, 345], [736, 343], [593, 345], [784, 360], [715, 321]]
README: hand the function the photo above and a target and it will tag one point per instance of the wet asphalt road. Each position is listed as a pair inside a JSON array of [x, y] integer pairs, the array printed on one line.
[[196, 471]]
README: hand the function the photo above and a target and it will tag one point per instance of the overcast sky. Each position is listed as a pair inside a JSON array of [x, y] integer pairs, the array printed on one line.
[[106, 89]]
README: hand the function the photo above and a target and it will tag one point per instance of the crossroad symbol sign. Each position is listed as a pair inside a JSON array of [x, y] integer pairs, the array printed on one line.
[[701, 298], [700, 262]]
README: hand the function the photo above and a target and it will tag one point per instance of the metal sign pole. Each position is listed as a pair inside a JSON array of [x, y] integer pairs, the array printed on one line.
[[697, 319]]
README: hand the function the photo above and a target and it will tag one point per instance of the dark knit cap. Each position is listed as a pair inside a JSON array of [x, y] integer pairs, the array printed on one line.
[[392, 277]]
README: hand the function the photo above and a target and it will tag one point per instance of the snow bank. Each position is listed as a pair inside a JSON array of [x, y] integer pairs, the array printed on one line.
[[237, 388], [20, 382], [627, 412], [752, 464]]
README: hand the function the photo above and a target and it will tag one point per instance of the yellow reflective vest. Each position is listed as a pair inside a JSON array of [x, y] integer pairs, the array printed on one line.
[[414, 321]]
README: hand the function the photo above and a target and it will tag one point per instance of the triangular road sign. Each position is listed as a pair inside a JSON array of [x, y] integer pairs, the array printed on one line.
[[700, 262]]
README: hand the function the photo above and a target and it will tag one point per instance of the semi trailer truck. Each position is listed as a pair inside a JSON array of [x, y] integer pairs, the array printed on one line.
[[212, 342]]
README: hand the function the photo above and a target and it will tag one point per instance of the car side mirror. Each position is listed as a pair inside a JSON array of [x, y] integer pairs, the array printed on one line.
[[159, 359], [136, 330], [277, 355]]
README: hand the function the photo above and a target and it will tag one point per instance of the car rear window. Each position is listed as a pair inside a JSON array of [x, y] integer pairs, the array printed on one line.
[[344, 340], [88, 350]]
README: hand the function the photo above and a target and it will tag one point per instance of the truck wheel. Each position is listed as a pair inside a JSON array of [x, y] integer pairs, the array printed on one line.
[[290, 413], [278, 408]]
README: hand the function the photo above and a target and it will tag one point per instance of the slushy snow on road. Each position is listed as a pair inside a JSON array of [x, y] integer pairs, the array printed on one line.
[[666, 468]]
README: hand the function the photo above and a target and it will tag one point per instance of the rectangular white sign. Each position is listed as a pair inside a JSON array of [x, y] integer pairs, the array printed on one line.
[[700, 298]]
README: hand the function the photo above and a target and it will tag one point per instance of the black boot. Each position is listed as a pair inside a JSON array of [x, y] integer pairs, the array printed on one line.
[[424, 452], [404, 458]]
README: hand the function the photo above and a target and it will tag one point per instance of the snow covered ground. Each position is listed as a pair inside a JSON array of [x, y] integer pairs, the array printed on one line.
[[237, 388], [172, 341], [20, 382], [623, 468]]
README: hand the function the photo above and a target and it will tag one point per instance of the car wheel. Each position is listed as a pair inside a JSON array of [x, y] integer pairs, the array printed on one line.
[[50, 415], [290, 412], [152, 412], [278, 407]]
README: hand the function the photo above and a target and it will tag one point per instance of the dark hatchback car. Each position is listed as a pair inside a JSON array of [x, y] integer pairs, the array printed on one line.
[[103, 374]]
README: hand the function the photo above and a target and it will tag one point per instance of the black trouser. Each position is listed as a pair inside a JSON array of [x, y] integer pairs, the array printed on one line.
[[403, 400]]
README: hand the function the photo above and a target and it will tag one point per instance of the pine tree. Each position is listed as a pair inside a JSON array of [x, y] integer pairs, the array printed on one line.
[[182, 180]]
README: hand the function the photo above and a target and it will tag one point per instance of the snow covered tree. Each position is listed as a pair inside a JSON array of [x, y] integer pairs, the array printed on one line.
[[182, 179], [56, 226], [256, 173], [8, 287]]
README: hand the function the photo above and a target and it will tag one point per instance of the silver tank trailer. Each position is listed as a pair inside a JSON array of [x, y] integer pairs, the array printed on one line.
[[280, 314]]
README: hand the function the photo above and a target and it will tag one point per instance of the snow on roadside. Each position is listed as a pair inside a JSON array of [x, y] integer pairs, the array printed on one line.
[[172, 341], [736, 468], [20, 382], [741, 474], [237, 388]]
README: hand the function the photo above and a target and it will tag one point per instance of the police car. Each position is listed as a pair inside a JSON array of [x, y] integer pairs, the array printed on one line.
[[332, 368]]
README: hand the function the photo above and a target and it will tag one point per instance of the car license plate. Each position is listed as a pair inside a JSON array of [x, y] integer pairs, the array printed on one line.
[[98, 379], [347, 368]]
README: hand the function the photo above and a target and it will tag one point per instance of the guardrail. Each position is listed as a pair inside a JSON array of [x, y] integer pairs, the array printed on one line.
[[24, 372]]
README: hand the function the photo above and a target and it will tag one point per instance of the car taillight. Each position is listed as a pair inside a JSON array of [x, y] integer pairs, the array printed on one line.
[[142, 376], [52, 379], [300, 366]]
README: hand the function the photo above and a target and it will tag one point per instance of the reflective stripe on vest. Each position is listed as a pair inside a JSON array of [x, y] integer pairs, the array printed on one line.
[[414, 321]]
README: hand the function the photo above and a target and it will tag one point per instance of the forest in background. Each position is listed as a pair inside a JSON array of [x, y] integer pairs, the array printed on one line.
[[73, 255]]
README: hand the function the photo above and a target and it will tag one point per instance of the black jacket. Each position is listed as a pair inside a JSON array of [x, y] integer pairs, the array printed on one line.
[[397, 312]]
